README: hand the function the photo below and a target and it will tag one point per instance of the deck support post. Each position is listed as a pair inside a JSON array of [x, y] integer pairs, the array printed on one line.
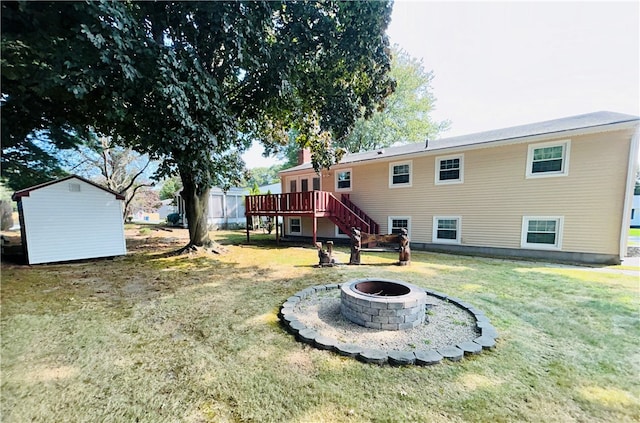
[[277, 234], [315, 228], [315, 219]]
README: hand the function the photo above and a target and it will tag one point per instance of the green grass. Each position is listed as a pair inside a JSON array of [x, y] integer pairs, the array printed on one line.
[[153, 338], [634, 232]]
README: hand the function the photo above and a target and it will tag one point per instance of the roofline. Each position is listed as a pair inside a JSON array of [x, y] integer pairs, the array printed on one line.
[[607, 127], [27, 191]]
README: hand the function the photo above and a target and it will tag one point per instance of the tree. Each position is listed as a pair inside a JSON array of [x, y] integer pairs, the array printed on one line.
[[117, 168], [405, 118], [264, 175], [170, 188], [192, 83], [52, 89], [147, 201]]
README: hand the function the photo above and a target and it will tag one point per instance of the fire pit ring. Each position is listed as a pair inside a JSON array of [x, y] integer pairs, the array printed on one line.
[[383, 303]]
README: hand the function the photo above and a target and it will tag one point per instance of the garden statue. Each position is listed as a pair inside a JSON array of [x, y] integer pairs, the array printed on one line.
[[325, 256], [356, 246], [405, 249]]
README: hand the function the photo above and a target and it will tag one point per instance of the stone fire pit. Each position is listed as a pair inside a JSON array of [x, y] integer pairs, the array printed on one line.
[[379, 321], [383, 304]]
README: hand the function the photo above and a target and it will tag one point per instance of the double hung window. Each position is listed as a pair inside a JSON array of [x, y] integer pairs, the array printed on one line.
[[400, 174], [446, 229], [542, 232], [548, 159], [449, 169], [343, 180]]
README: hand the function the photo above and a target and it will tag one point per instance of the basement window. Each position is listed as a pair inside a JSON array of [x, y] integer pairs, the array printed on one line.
[[542, 233]]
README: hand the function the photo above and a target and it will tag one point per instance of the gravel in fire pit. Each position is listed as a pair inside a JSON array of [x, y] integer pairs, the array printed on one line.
[[447, 325]]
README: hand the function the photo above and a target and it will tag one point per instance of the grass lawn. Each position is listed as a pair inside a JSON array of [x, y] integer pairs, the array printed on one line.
[[152, 338]]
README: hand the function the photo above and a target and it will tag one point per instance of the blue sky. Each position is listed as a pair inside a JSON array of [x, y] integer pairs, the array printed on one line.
[[500, 64]]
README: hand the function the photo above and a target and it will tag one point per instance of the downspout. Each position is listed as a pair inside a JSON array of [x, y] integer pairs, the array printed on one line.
[[628, 198]]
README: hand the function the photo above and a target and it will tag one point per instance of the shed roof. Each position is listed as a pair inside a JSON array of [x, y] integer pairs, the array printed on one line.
[[26, 191], [557, 126]]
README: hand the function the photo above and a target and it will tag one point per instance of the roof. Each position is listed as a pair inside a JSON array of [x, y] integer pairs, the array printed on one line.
[[26, 191], [514, 133]]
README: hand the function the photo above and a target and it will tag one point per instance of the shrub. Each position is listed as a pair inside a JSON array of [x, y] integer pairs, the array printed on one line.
[[173, 218]]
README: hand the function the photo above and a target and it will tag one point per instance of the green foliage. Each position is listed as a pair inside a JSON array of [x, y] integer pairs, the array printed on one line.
[[255, 189], [192, 83], [54, 84], [264, 175], [170, 188], [405, 117]]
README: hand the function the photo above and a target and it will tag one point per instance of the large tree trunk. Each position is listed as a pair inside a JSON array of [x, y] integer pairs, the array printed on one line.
[[196, 201]]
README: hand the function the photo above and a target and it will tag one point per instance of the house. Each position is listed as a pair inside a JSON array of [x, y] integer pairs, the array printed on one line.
[[556, 190], [635, 212], [70, 219], [226, 208]]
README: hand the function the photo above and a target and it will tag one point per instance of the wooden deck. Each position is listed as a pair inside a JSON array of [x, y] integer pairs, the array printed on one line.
[[313, 204]]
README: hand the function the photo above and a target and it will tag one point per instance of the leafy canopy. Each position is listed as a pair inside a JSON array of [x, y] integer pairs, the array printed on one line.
[[191, 83], [406, 117]]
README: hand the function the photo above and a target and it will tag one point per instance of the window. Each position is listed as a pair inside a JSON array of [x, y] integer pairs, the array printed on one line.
[[542, 232], [316, 184], [446, 229], [398, 222], [449, 169], [292, 185], [343, 180], [340, 234], [548, 159], [304, 185], [295, 225], [400, 174]]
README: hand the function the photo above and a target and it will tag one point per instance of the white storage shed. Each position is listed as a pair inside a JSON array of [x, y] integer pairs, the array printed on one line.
[[70, 219]]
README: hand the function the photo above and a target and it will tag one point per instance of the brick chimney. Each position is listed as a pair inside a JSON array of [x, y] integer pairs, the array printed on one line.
[[304, 156]]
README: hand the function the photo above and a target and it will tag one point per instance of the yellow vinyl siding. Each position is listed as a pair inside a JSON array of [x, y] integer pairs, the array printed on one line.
[[496, 194]]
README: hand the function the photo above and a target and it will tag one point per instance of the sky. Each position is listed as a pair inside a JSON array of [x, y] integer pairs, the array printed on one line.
[[500, 64]]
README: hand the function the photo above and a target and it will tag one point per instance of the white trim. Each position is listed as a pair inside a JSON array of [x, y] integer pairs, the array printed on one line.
[[390, 219], [566, 149], [337, 233], [632, 167], [434, 233], [291, 232], [402, 163], [460, 179], [338, 171], [525, 229]]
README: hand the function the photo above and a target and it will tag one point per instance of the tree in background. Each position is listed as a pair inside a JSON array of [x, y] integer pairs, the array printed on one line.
[[191, 83], [170, 187], [405, 119], [117, 168], [146, 200], [264, 175]]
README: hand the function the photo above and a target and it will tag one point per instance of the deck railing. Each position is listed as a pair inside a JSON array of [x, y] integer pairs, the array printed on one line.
[[308, 202]]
